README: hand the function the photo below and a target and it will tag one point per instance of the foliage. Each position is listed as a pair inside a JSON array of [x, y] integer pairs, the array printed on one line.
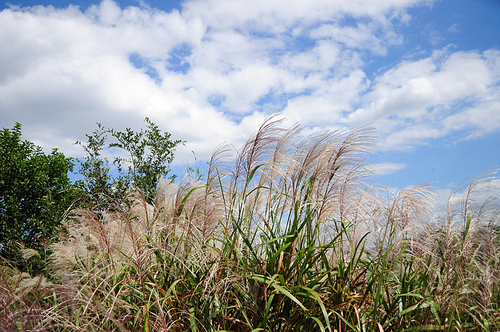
[[35, 192], [149, 154], [95, 168], [286, 237]]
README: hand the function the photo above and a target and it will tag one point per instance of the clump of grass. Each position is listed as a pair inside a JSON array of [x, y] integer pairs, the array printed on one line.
[[286, 236], [461, 255], [24, 300]]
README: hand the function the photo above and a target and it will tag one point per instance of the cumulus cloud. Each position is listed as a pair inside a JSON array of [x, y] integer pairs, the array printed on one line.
[[213, 70], [433, 97]]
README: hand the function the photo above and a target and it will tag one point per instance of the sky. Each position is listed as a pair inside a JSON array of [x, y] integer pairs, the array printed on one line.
[[425, 73]]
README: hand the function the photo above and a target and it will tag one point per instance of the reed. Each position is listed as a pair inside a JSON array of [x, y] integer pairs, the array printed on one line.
[[285, 236]]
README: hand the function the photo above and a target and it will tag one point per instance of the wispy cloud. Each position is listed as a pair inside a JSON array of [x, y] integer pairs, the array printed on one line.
[[454, 28], [388, 168]]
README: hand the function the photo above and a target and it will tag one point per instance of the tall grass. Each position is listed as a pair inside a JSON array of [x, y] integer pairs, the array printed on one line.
[[286, 236]]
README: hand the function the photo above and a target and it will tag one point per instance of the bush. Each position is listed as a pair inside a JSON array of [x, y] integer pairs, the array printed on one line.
[[35, 191]]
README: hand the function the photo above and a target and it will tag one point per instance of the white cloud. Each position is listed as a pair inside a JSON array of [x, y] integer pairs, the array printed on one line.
[[279, 16], [480, 120], [486, 188], [325, 106], [65, 69], [454, 28], [361, 36], [388, 168], [442, 197], [424, 99]]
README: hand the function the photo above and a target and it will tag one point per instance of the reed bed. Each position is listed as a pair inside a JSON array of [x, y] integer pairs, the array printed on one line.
[[285, 236]]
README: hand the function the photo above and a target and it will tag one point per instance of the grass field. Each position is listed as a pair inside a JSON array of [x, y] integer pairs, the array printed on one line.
[[286, 236]]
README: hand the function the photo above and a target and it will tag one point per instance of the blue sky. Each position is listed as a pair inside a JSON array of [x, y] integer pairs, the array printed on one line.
[[425, 73]]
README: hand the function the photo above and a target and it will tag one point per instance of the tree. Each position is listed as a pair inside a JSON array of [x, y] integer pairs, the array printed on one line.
[[96, 169], [35, 191], [149, 154]]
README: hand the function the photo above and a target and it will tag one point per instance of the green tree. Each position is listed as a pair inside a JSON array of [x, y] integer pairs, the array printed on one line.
[[95, 168], [35, 192], [149, 154]]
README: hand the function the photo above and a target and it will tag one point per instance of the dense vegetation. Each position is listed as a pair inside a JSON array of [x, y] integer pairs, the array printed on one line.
[[285, 237], [35, 192]]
